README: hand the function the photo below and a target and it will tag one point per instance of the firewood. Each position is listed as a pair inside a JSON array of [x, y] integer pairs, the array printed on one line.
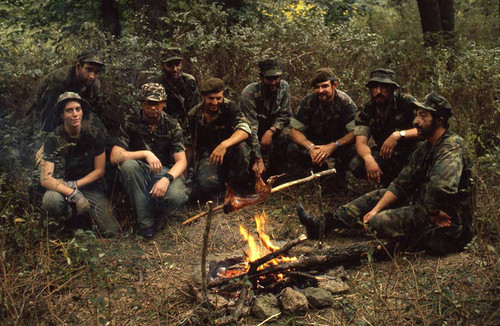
[[204, 251], [273, 190], [237, 311]]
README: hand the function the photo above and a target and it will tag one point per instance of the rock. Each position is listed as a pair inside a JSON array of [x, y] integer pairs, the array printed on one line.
[[265, 306], [293, 301], [217, 301], [334, 286], [318, 298]]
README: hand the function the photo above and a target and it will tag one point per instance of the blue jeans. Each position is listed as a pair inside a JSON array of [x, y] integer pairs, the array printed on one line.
[[138, 181], [100, 209]]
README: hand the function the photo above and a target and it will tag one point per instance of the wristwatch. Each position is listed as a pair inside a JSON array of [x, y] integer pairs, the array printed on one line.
[[402, 133]]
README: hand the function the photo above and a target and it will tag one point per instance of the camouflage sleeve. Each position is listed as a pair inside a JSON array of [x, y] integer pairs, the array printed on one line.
[[99, 144], [301, 120], [348, 111], [176, 136], [249, 109], [444, 176], [405, 181], [237, 118], [284, 111], [193, 94], [123, 135], [362, 122]]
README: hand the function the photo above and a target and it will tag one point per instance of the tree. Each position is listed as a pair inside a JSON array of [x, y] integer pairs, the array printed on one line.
[[438, 20], [110, 17]]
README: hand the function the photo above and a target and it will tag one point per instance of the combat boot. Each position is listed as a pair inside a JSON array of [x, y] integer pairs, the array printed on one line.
[[311, 222]]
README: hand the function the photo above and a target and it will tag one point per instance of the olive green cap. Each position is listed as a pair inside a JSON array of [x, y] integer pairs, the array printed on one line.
[[322, 75], [382, 75], [212, 85], [171, 54], [91, 56], [153, 92], [71, 96], [270, 68], [435, 103]]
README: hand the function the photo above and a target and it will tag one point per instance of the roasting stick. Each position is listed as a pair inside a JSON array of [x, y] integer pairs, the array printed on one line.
[[273, 190]]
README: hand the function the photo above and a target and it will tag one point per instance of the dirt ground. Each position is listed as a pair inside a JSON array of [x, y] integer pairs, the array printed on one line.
[[138, 282]]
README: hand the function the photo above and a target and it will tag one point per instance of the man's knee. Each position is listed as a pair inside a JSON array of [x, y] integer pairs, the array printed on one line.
[[54, 202], [176, 194], [357, 167], [129, 167]]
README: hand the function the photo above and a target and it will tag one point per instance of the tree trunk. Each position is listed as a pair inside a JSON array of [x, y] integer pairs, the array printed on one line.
[[430, 19], [447, 12], [110, 17]]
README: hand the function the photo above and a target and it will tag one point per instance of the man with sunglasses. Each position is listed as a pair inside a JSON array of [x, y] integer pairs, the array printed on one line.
[[266, 105], [323, 126], [182, 89], [152, 157]]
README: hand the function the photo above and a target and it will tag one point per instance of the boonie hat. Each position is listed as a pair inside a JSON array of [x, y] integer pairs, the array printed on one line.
[[322, 75], [171, 54], [212, 85], [71, 96], [381, 75], [270, 68], [91, 56], [435, 103], [153, 92]]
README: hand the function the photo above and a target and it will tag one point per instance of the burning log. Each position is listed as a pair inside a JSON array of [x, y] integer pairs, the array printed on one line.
[[241, 202]]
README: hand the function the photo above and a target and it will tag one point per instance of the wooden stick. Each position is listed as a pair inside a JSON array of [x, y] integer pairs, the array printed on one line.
[[275, 189], [237, 311], [256, 263], [204, 250]]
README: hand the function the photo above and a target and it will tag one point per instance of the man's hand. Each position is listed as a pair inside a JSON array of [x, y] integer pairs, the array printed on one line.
[[441, 219], [368, 217], [319, 153], [266, 140], [217, 156], [373, 171], [258, 167], [160, 188], [153, 161], [389, 145], [82, 204], [39, 156]]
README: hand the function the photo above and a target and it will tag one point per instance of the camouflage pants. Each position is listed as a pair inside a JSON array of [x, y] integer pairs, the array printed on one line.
[[273, 158], [235, 169], [100, 209], [410, 221], [343, 157], [390, 168]]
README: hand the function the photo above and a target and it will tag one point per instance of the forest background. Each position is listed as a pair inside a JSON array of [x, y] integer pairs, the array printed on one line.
[[226, 39]]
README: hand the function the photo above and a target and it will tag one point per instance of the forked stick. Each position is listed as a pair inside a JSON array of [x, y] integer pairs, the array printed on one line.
[[273, 190]]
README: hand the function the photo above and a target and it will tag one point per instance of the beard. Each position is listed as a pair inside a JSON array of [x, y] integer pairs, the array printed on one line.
[[380, 99], [428, 131]]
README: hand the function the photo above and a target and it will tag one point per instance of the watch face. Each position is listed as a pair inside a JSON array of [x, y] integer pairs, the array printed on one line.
[[402, 133]]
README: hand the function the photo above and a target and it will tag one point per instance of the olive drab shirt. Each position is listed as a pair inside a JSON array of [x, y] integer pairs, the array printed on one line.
[[265, 110], [135, 134], [73, 158], [181, 97], [441, 177], [205, 136], [398, 115], [325, 124]]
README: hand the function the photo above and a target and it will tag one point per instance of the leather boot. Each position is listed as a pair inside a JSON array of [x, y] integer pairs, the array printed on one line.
[[311, 222]]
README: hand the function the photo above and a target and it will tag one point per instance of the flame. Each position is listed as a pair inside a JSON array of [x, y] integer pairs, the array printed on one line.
[[255, 251]]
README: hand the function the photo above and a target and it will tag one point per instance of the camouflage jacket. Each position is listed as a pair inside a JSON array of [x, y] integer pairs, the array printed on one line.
[[265, 110], [440, 177], [135, 134], [73, 158], [206, 136], [324, 125], [181, 97], [398, 116]]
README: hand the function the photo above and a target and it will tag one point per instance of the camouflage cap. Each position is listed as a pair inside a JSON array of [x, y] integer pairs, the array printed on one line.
[[435, 103], [170, 54], [71, 96], [212, 85], [322, 75], [270, 68], [381, 75], [153, 92], [91, 56]]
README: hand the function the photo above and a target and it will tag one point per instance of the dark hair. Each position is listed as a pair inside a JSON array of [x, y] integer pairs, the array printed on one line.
[[436, 117]]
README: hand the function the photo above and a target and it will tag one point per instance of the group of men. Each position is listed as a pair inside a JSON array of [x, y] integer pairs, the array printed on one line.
[[182, 130]]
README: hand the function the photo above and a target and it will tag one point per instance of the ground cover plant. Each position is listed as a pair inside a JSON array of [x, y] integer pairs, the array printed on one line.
[[50, 277]]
